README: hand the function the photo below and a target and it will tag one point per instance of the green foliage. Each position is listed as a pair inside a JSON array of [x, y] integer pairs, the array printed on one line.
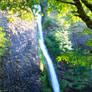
[[45, 83], [22, 8], [89, 42], [63, 38], [64, 10], [87, 11], [57, 39], [77, 57], [49, 22], [53, 47], [4, 43], [23, 14], [22, 4], [44, 78], [58, 42], [67, 10], [42, 60], [86, 31], [77, 77]]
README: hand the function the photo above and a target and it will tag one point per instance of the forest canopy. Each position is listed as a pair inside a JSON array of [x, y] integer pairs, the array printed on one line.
[[82, 9]]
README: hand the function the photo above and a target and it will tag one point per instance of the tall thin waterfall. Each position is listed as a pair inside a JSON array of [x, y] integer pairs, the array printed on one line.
[[51, 70]]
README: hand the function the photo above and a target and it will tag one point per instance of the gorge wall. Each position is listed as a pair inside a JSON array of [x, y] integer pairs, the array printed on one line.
[[20, 68]]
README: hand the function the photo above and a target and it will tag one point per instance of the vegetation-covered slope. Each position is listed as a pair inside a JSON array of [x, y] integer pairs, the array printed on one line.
[[67, 42], [67, 26]]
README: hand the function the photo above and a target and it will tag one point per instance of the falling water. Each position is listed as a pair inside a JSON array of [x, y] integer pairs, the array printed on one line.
[[52, 74]]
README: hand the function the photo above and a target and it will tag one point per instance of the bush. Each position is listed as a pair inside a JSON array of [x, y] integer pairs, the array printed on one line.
[[53, 47], [78, 69], [77, 77], [49, 23], [77, 57], [4, 43], [58, 42], [45, 83]]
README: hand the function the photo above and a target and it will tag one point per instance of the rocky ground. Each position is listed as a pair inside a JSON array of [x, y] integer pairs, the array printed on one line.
[[20, 68]]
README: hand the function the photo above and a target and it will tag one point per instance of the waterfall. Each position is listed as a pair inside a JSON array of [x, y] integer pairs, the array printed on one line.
[[51, 70]]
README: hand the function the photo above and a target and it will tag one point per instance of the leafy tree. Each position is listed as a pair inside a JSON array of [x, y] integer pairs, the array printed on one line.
[[22, 8], [73, 8], [22, 4]]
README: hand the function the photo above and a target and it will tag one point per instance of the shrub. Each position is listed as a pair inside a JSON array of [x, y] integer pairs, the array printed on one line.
[[77, 77], [58, 42], [77, 57], [4, 43], [78, 69]]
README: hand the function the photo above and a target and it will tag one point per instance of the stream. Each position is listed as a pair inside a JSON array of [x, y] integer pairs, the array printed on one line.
[[51, 70]]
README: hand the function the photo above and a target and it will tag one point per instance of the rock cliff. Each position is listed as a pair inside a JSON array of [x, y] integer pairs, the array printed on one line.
[[20, 68]]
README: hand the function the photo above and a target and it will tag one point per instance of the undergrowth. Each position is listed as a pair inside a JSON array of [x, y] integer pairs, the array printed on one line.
[[78, 67], [44, 74], [76, 77]]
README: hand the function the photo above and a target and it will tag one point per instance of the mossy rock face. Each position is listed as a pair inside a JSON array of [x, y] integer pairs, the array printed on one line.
[[80, 34]]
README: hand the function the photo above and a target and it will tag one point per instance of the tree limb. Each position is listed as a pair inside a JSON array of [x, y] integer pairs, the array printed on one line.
[[66, 2], [82, 14], [87, 4]]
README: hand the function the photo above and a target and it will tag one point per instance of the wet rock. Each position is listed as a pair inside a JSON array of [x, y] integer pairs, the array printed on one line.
[[18, 60], [21, 68]]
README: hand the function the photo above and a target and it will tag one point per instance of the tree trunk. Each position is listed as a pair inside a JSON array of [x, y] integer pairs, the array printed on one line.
[[82, 14], [87, 4]]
